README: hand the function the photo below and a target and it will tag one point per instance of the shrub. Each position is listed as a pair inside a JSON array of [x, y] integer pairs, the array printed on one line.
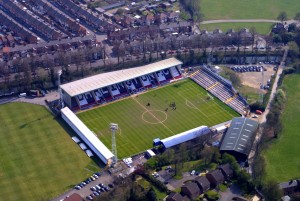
[[212, 195]]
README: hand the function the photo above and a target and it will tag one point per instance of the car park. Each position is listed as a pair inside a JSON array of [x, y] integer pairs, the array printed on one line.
[[250, 68], [77, 187]]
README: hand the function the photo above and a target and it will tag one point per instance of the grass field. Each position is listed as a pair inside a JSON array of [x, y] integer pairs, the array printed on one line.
[[38, 159], [261, 27], [140, 124], [282, 157], [248, 9]]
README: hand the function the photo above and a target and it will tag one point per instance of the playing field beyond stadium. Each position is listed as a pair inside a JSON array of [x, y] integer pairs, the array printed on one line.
[[139, 124]]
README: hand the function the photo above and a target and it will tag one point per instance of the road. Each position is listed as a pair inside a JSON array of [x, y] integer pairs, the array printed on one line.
[[267, 110], [245, 20], [275, 85], [238, 20]]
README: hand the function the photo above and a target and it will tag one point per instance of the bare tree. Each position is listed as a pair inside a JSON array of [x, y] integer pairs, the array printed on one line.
[[253, 34], [282, 16]]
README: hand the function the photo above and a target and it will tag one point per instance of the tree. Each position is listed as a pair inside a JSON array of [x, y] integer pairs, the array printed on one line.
[[293, 50], [282, 16], [216, 155], [253, 34], [227, 158], [207, 155], [244, 182], [297, 17], [271, 191], [151, 195], [259, 168], [27, 74]]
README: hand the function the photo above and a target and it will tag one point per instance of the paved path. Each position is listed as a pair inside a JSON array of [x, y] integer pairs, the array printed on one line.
[[238, 20], [275, 85], [264, 115], [51, 96], [245, 20]]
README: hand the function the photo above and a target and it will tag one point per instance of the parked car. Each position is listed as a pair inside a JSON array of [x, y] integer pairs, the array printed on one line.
[[77, 187]]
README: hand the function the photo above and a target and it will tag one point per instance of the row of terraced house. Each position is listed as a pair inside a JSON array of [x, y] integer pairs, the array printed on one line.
[[28, 18], [68, 25], [83, 14], [156, 42]]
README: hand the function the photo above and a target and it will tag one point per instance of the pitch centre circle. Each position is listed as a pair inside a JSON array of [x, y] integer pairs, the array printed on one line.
[[154, 116]]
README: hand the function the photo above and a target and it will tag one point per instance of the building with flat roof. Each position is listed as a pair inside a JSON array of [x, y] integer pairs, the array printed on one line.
[[105, 87], [87, 135], [239, 138]]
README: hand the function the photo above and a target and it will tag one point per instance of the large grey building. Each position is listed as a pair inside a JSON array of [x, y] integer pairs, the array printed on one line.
[[239, 137]]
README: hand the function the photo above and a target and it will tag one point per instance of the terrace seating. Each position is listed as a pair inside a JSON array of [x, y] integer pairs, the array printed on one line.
[[220, 88], [152, 79], [114, 90], [160, 76], [106, 93], [167, 74], [146, 81], [130, 85], [137, 83], [82, 100], [174, 71], [89, 98], [98, 95], [121, 88]]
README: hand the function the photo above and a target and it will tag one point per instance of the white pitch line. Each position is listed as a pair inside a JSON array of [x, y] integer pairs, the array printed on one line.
[[88, 170], [153, 115]]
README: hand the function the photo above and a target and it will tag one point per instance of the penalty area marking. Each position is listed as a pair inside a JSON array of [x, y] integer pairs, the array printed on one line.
[[189, 105], [158, 121]]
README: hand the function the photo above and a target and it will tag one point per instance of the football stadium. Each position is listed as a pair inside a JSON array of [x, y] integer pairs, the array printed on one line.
[[158, 100]]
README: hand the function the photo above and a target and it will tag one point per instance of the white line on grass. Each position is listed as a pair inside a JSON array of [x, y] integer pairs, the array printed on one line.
[[214, 102], [153, 115], [89, 170], [93, 166]]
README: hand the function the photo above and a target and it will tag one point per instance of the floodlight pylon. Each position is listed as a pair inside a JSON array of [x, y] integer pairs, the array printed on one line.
[[114, 127]]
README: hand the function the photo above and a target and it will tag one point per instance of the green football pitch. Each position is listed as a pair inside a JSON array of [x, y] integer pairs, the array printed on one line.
[[147, 116], [38, 159]]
